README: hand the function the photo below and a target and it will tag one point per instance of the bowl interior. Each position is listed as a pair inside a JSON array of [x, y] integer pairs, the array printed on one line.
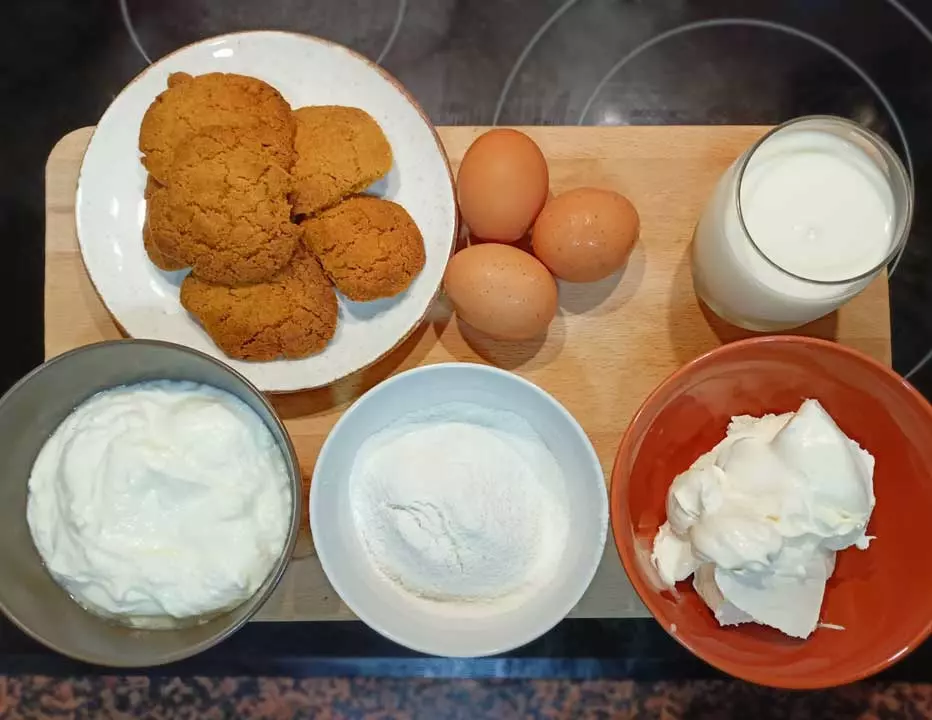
[[426, 626], [882, 597], [29, 413]]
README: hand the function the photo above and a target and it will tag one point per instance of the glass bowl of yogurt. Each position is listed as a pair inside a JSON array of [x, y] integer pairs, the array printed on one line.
[[767, 502], [150, 502]]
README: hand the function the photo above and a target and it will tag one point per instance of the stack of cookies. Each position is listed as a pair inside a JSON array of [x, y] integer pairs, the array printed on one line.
[[262, 204]]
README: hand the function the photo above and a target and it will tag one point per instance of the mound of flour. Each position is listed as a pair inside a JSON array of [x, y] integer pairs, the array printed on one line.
[[461, 503]]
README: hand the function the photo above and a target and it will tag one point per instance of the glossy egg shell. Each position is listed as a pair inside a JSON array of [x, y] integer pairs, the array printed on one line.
[[586, 234]]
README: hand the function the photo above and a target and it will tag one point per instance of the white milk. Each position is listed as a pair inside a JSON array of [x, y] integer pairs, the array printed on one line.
[[821, 212]]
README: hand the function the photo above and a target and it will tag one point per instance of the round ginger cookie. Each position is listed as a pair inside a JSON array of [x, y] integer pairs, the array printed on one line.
[[339, 151], [156, 256], [160, 235], [156, 197], [193, 102], [292, 315], [226, 212], [369, 247]]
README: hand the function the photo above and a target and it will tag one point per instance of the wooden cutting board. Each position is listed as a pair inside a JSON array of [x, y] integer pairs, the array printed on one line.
[[611, 343]]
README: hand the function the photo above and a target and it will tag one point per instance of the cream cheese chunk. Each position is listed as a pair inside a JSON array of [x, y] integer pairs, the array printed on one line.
[[758, 519]]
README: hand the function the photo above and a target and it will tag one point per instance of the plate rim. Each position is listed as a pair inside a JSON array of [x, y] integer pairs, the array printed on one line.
[[386, 75]]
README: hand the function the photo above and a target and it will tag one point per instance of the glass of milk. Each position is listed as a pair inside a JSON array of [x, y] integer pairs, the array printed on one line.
[[800, 224]]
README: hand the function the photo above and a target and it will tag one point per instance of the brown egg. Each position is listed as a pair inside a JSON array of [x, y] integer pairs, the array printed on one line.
[[502, 185], [586, 234], [502, 291]]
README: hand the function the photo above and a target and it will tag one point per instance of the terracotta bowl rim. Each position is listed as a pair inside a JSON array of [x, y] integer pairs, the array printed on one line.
[[620, 526]]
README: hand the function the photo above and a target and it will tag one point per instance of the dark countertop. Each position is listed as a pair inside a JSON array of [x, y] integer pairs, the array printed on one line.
[[482, 62], [249, 698]]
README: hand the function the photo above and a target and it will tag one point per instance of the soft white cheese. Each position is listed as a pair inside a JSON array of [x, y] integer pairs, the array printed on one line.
[[757, 520], [160, 499]]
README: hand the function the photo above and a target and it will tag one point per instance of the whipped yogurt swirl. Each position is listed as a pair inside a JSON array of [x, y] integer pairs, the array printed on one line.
[[758, 519], [159, 499]]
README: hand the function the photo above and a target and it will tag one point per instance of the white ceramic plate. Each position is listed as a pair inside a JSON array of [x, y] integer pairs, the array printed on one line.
[[110, 208]]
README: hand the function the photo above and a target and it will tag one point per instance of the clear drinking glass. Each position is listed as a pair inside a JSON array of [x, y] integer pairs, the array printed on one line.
[[801, 223]]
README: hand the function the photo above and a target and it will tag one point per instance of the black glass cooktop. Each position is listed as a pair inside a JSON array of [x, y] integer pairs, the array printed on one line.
[[484, 62]]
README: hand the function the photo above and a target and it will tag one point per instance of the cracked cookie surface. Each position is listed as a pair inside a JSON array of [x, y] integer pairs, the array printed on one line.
[[369, 247], [226, 211], [339, 151], [156, 195], [293, 315], [192, 103]]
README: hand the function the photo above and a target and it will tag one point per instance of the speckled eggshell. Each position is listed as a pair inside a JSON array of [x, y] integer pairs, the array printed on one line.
[[501, 291], [586, 234]]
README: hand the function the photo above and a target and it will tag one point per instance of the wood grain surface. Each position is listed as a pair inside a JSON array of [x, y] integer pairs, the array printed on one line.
[[611, 343]]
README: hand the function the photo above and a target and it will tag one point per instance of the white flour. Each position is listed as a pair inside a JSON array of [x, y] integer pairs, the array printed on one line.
[[461, 504]]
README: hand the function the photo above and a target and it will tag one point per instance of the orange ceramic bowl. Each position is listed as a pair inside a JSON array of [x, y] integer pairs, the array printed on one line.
[[882, 597]]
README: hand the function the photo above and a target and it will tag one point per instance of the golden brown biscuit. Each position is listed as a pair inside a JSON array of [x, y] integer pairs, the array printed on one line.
[[226, 212], [339, 151], [156, 195], [193, 102], [369, 247], [292, 315]]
